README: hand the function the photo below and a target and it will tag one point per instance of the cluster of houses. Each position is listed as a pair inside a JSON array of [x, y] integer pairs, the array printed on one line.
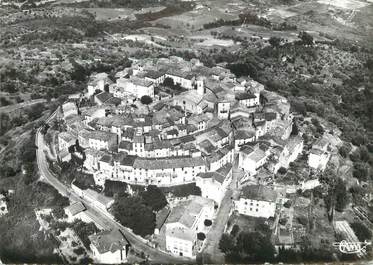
[[210, 122]]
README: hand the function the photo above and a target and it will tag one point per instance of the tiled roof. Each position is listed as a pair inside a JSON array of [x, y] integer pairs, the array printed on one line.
[[104, 96], [244, 96], [171, 162], [75, 208], [258, 192]]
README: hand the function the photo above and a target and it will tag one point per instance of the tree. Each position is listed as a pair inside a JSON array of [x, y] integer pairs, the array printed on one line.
[[207, 222], [235, 230], [79, 251], [361, 231], [154, 198], [344, 150], [306, 38], [146, 100], [7, 171], [341, 198], [168, 81], [274, 41], [294, 130], [282, 170], [255, 247], [201, 236], [106, 88], [58, 212], [83, 230], [132, 213], [114, 187], [361, 171], [35, 111], [226, 243]]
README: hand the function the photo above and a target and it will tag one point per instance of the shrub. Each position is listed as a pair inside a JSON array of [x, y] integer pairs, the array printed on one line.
[[287, 204], [201, 236], [79, 251], [361, 231], [207, 222], [235, 230], [282, 170], [302, 220], [146, 100]]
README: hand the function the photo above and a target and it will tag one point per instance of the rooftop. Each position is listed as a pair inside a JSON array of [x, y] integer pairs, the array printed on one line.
[[170, 162], [259, 193], [244, 96], [103, 96], [186, 212], [75, 208]]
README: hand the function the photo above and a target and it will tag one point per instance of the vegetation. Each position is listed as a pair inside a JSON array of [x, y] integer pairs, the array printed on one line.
[[133, 213], [248, 247], [114, 187], [21, 240], [154, 198], [146, 100], [83, 230], [361, 231]]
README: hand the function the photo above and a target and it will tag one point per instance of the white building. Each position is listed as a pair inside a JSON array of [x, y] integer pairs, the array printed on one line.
[[183, 224], [98, 140], [213, 185], [242, 137], [310, 184], [109, 247], [65, 140], [319, 155], [256, 201], [98, 82], [154, 76], [220, 158], [251, 159], [93, 113], [69, 108], [134, 86], [247, 99], [189, 101]]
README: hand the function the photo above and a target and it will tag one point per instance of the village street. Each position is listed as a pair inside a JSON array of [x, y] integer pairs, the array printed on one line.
[[211, 252]]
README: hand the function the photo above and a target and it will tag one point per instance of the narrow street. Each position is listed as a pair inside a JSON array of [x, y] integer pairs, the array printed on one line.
[[211, 252]]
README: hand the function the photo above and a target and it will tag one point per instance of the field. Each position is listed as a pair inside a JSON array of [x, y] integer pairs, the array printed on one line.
[[111, 13], [348, 4], [120, 13]]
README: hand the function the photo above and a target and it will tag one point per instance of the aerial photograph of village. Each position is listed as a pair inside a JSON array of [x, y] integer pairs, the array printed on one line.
[[186, 131]]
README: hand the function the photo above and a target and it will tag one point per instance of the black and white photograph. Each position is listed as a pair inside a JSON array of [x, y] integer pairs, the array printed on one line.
[[186, 132]]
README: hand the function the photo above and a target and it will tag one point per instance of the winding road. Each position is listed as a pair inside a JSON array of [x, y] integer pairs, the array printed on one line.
[[99, 216]]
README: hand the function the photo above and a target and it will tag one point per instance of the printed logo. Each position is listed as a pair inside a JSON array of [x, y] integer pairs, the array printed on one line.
[[352, 247]]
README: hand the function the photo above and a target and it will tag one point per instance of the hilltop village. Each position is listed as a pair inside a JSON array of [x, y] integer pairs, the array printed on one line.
[[171, 122]]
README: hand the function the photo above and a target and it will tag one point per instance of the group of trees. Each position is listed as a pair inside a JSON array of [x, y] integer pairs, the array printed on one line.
[[132, 212], [361, 231], [337, 197], [10, 121], [137, 211], [247, 247], [83, 230]]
